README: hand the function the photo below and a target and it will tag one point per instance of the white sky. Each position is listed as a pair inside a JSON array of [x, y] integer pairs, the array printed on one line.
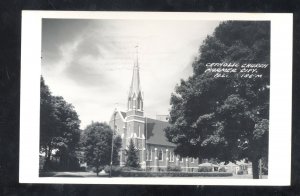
[[90, 62]]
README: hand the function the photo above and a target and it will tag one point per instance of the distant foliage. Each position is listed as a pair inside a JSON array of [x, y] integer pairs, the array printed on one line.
[[205, 169], [222, 169], [115, 170], [174, 168], [240, 172]]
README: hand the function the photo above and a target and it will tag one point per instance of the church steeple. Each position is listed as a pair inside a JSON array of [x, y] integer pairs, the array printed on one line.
[[135, 97]]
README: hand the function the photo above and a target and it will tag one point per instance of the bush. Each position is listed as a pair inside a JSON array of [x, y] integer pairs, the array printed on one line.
[[240, 172], [160, 169], [222, 169], [115, 170], [51, 166], [205, 169], [148, 169], [125, 168], [100, 169], [173, 174], [265, 171], [174, 168], [82, 169]]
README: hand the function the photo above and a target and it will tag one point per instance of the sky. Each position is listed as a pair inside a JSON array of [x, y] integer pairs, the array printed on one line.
[[90, 62]]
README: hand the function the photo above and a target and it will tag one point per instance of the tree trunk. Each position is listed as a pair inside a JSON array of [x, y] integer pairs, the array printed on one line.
[[97, 171], [255, 169], [49, 153], [47, 159]]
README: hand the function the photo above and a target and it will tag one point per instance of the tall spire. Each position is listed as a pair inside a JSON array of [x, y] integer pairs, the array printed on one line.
[[135, 93], [135, 87]]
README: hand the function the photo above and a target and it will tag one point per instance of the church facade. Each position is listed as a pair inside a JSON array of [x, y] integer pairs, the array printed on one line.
[[155, 151]]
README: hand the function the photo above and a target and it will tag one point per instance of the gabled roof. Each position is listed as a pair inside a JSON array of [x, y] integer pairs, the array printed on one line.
[[123, 114], [155, 132]]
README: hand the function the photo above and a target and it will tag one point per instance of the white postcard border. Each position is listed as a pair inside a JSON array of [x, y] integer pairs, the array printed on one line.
[[280, 97]]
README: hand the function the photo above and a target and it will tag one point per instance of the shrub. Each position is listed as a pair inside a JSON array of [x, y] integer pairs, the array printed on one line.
[[100, 169], [51, 165], [205, 169], [82, 169], [160, 169], [148, 169], [126, 168], [173, 174], [265, 171], [115, 170], [240, 172], [174, 168], [222, 169]]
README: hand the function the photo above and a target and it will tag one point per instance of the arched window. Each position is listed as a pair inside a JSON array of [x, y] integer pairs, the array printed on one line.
[[149, 155], [171, 156], [160, 155], [138, 104], [192, 160]]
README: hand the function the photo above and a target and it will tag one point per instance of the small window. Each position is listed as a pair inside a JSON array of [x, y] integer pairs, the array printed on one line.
[[192, 160], [139, 131], [181, 159], [149, 155], [160, 155], [172, 157], [139, 104]]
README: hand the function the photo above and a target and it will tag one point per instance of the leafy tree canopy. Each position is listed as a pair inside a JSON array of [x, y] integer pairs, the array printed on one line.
[[224, 118], [96, 140], [59, 126]]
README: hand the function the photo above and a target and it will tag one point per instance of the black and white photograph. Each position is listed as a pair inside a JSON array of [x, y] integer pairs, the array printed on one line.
[[131, 98]]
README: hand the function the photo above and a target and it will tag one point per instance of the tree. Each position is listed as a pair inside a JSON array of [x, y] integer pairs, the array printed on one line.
[[132, 156], [59, 129], [97, 141], [225, 117]]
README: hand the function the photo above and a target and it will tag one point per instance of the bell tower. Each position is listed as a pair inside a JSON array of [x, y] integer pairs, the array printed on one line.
[[135, 113]]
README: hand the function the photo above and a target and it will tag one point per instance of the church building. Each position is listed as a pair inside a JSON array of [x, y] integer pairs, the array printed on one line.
[[155, 151]]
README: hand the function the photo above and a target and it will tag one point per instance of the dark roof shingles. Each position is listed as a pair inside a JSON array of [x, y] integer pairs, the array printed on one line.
[[155, 132], [123, 114]]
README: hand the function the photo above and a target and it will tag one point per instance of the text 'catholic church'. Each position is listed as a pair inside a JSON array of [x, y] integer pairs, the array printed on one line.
[[155, 151]]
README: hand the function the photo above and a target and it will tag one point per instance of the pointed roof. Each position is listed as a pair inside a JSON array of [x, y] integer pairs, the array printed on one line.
[[155, 133], [135, 87]]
